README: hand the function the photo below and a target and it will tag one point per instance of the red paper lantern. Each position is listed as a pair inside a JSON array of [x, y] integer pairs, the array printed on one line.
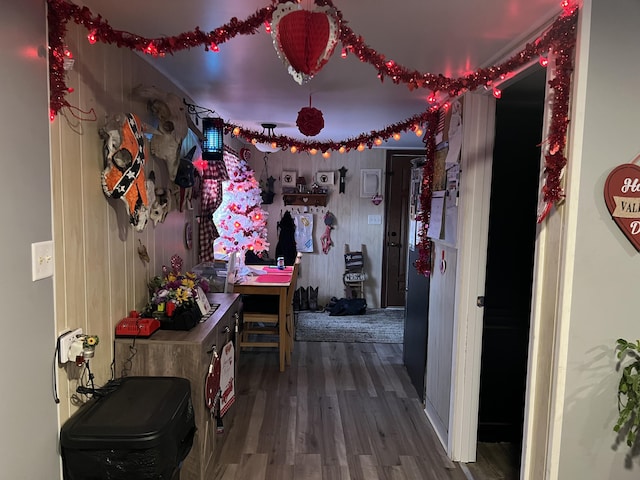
[[304, 39]]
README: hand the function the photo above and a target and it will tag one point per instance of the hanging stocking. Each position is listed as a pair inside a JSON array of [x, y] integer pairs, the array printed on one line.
[[327, 243]]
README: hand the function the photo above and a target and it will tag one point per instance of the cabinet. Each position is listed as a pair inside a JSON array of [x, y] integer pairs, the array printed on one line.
[[309, 199], [186, 354]]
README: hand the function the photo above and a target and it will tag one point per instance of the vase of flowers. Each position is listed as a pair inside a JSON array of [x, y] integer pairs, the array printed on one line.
[[174, 299]]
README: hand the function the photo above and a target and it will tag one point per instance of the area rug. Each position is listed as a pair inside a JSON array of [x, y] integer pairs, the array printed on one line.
[[382, 325]]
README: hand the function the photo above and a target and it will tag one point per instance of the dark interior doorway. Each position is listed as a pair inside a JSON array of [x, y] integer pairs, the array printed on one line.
[[510, 256], [394, 257]]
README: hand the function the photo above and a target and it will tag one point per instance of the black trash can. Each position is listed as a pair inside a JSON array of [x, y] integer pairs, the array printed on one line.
[[142, 430]]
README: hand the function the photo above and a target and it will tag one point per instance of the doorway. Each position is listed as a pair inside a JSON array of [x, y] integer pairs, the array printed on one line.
[[510, 259], [394, 257]]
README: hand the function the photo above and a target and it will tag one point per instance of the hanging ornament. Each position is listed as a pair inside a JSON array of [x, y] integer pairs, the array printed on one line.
[[304, 39], [343, 173], [310, 120]]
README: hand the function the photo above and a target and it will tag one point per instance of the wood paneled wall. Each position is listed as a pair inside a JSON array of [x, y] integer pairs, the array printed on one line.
[[352, 212], [99, 277]]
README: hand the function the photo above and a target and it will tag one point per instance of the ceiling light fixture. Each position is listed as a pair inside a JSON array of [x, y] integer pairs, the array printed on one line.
[[270, 146]]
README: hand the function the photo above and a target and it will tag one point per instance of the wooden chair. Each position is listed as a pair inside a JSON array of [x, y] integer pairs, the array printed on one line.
[[260, 324], [354, 275]]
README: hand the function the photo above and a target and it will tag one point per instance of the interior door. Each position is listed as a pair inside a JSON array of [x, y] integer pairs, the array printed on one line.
[[510, 258], [394, 261]]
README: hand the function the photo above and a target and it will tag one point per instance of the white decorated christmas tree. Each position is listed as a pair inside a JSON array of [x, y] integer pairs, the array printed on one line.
[[241, 222]]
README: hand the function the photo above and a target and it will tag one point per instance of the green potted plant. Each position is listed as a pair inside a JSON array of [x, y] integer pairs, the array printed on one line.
[[628, 390]]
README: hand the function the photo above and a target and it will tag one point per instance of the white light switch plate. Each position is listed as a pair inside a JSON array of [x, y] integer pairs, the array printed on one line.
[[41, 260], [374, 219]]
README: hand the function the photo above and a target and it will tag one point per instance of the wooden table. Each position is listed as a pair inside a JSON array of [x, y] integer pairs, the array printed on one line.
[[271, 281]]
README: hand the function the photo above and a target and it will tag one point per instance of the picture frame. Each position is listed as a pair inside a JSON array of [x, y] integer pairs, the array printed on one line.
[[325, 178], [370, 182], [289, 178]]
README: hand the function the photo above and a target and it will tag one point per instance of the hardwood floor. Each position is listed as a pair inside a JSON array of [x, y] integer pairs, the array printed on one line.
[[495, 461], [341, 411]]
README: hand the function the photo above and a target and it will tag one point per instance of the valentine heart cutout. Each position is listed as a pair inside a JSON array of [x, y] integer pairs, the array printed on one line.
[[622, 197], [304, 39]]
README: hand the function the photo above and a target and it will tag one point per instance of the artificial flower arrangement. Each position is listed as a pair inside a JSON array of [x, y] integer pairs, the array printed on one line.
[[175, 294], [176, 290]]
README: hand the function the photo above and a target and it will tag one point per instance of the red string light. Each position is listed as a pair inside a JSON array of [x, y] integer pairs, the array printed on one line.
[[91, 37]]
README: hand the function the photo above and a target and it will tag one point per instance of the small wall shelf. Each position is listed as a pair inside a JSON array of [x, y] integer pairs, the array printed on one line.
[[309, 199]]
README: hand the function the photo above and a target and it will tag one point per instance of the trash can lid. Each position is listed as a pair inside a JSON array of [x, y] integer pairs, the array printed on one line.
[[136, 415]]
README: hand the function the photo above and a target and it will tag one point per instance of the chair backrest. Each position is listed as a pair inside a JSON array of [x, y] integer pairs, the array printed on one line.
[[353, 259]]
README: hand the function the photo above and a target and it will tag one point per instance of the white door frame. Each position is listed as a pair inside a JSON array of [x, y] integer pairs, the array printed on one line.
[[473, 227]]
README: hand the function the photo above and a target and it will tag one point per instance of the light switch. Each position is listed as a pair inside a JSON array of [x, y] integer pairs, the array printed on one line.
[[375, 219], [41, 260]]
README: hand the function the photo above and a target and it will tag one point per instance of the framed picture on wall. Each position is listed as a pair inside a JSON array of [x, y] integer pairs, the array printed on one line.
[[325, 178], [289, 178]]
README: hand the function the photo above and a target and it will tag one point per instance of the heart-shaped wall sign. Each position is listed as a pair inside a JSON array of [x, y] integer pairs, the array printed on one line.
[[304, 39], [622, 196]]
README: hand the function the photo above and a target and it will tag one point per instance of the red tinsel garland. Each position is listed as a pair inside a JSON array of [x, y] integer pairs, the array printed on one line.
[[423, 264], [560, 39]]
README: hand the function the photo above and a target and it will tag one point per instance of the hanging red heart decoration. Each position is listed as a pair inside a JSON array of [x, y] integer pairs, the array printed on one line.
[[622, 196], [304, 39]]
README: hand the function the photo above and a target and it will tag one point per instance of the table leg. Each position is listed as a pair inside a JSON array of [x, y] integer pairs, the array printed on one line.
[[282, 327]]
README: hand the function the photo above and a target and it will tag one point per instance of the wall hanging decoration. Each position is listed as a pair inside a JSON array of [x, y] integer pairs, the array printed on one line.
[[304, 231], [170, 113], [188, 235], [289, 178], [186, 178], [125, 156], [343, 173], [622, 197], [325, 178], [325, 239], [304, 39]]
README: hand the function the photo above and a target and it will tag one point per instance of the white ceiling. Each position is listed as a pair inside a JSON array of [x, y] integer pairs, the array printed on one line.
[[247, 84]]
